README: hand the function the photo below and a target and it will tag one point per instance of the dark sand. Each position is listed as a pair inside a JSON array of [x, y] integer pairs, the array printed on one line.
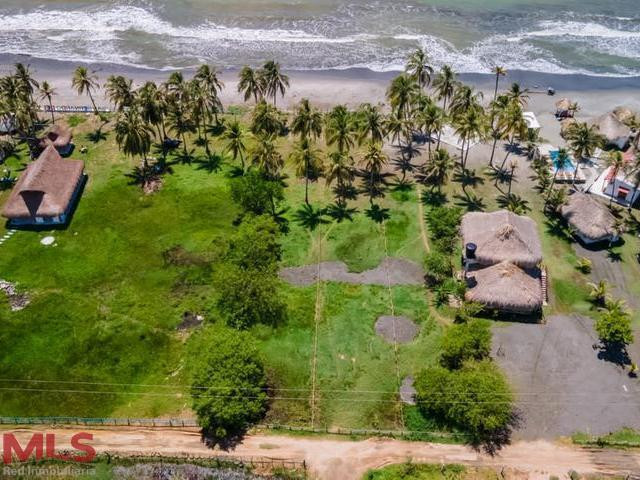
[[398, 329]]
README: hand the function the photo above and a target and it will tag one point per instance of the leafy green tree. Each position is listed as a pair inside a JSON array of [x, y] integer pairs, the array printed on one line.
[[371, 123], [254, 245], [444, 85], [438, 268], [583, 139], [256, 194], [265, 155], [248, 297], [614, 327], [475, 398], [341, 129], [498, 71], [229, 384], [464, 342]]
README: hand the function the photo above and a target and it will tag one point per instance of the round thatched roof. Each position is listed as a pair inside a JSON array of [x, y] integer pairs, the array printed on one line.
[[502, 236], [505, 287], [589, 217], [565, 125], [563, 105], [616, 132], [623, 113]]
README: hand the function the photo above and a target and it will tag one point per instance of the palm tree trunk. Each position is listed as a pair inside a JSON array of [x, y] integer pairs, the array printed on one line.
[[508, 153], [184, 145], [495, 93], [493, 150], [462, 152], [306, 181], [53, 119], [575, 174], [95, 109], [553, 182]]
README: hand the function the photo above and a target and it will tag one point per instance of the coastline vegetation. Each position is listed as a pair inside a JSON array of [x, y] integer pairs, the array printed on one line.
[[192, 207]]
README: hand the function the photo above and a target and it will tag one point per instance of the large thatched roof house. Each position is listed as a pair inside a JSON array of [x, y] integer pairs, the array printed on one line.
[[616, 133], [59, 137], [46, 191], [505, 287], [590, 219], [502, 255], [502, 236]]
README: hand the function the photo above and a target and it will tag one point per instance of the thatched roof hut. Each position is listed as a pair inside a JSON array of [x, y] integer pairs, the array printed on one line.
[[590, 218], [45, 191], [505, 287], [502, 236], [623, 113], [57, 136], [616, 133], [564, 108]]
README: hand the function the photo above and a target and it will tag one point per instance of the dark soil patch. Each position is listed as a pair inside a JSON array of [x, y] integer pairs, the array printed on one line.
[[190, 320], [408, 391], [391, 271], [396, 329]]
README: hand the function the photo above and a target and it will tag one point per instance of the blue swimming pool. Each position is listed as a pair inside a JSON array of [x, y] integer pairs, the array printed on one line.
[[561, 164]]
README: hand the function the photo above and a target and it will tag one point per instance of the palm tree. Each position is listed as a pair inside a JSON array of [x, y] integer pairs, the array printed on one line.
[[340, 169], [133, 135], [27, 83], [181, 122], [236, 138], [307, 160], [273, 80], [340, 129], [513, 203], [85, 82], [307, 121], [250, 84], [119, 91], [444, 85], [464, 99], [266, 157], [599, 292], [437, 169], [266, 119], [46, 94], [633, 123], [583, 140], [499, 72], [210, 87], [513, 126], [431, 120], [418, 67], [397, 127], [616, 162], [517, 95], [470, 126], [149, 102], [401, 94], [371, 123]]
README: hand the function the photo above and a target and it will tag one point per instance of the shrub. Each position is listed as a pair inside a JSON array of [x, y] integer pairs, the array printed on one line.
[[256, 194], [476, 398], [229, 383], [444, 223], [255, 244], [584, 265], [466, 341], [437, 267], [614, 328]]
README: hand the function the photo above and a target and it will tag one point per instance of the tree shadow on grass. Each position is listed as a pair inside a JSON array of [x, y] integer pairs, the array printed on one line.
[[556, 228], [433, 198], [467, 178], [213, 163], [471, 202], [97, 136]]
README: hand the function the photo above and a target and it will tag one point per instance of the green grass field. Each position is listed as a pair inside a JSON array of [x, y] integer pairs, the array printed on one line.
[[105, 306]]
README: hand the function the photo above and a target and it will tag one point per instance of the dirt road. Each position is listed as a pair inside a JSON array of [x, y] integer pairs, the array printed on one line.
[[329, 459]]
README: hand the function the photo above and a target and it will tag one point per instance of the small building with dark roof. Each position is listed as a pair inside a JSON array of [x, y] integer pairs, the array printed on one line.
[[59, 137], [46, 191]]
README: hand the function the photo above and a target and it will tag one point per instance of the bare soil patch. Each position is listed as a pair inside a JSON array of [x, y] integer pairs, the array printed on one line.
[[399, 271], [398, 329], [17, 300], [561, 383]]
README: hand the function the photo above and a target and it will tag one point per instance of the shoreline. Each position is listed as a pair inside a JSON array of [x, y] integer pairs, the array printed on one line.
[[352, 87]]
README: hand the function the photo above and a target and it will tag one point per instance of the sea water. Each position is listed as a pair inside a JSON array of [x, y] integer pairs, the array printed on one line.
[[593, 37]]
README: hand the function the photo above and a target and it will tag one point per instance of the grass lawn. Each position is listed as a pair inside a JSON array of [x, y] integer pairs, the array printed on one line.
[[416, 471], [105, 304]]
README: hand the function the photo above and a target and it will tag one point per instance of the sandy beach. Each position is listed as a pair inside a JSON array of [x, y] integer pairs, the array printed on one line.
[[326, 88]]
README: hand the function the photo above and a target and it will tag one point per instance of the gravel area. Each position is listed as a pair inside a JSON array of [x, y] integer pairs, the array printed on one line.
[[561, 383], [396, 329], [408, 391], [399, 271]]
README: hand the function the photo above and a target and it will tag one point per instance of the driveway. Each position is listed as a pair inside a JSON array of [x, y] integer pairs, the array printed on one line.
[[561, 384]]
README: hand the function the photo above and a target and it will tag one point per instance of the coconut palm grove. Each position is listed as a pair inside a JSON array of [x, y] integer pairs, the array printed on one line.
[[356, 268]]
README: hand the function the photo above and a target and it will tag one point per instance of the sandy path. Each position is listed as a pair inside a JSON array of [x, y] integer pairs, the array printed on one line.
[[348, 460]]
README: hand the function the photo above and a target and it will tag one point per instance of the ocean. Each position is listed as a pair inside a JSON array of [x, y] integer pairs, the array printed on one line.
[[590, 37]]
